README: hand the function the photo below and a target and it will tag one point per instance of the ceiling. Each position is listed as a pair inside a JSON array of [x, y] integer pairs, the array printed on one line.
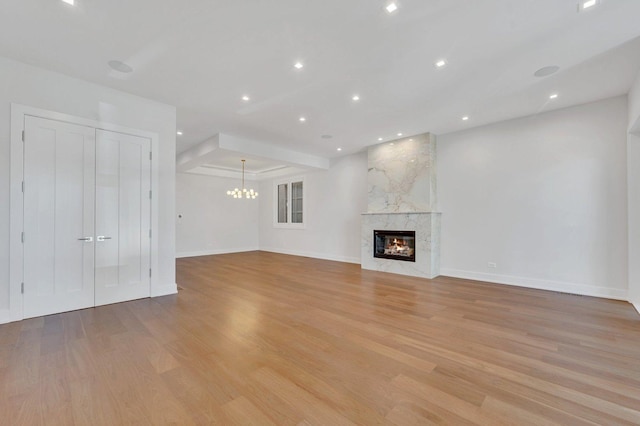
[[203, 55]]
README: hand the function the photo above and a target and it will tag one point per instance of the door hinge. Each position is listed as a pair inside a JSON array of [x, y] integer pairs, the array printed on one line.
[[22, 288], [150, 155], [22, 237], [23, 136], [149, 233], [23, 187], [149, 272], [150, 195]]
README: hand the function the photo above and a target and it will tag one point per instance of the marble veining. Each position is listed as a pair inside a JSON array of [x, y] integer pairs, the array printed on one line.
[[402, 197], [402, 175]]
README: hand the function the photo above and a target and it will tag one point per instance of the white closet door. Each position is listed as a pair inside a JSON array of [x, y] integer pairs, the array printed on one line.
[[59, 178], [123, 217]]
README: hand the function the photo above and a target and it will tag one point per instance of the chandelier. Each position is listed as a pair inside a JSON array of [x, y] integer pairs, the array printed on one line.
[[244, 192]]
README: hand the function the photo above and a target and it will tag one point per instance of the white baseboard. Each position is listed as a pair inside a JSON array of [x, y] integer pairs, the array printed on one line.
[[314, 255], [212, 252], [164, 290], [636, 305], [565, 287]]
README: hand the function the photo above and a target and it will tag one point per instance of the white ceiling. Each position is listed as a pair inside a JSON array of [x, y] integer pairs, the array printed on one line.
[[203, 55], [229, 161]]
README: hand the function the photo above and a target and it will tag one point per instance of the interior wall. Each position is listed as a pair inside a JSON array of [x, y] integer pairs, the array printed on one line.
[[35, 87], [334, 200], [633, 159], [212, 222], [634, 105], [633, 170], [543, 197]]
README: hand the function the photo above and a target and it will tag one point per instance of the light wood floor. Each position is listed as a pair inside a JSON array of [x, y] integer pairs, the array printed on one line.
[[260, 338]]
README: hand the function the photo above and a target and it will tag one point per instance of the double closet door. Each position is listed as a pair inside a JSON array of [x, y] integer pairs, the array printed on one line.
[[87, 216]]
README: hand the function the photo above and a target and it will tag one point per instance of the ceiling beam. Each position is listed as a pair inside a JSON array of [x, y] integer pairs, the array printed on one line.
[[198, 155]]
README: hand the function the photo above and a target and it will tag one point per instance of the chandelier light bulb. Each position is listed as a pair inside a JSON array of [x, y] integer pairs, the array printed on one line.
[[244, 192]]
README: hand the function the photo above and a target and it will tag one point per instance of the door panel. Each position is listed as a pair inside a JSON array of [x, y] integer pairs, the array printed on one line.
[[59, 177], [123, 213]]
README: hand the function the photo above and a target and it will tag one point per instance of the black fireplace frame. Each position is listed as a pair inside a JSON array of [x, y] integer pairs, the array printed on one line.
[[384, 233]]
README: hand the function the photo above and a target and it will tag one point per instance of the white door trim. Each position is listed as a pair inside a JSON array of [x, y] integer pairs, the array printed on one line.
[[16, 199]]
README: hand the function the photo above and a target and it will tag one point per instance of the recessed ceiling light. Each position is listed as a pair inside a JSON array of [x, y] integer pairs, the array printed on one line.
[[339, 149], [179, 133], [120, 66], [302, 119], [391, 7], [465, 118], [399, 134], [545, 71], [583, 5], [380, 139], [326, 136], [441, 63], [71, 2], [553, 96], [298, 65], [355, 98], [246, 98]]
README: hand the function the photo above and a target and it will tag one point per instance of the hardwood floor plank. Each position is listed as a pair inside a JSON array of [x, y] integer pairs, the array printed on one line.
[[241, 411], [401, 415], [263, 338], [25, 408], [444, 400], [515, 415], [524, 395], [298, 399], [92, 402]]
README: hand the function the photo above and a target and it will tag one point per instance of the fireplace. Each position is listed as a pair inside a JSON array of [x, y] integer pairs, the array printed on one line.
[[396, 245]]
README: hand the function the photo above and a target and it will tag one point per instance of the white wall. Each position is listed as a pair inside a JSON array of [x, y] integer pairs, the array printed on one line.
[[212, 222], [543, 196], [634, 105], [633, 168], [35, 87], [633, 159], [334, 200]]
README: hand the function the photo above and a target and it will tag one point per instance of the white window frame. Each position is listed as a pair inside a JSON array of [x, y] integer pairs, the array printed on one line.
[[289, 181]]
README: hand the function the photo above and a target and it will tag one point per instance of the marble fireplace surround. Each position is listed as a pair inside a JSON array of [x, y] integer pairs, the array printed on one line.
[[402, 197], [427, 250]]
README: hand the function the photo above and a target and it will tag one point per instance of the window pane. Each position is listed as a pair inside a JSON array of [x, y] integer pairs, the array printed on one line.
[[296, 201], [282, 203]]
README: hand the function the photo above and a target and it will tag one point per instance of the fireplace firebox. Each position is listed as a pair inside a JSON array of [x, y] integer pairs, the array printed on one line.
[[396, 245]]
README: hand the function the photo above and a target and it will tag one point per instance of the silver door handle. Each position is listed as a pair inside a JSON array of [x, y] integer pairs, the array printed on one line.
[[86, 239], [102, 238]]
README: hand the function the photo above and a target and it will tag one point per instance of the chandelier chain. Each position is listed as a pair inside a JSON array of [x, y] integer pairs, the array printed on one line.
[[242, 192]]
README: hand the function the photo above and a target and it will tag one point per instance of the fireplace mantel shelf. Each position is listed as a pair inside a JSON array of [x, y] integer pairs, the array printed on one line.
[[388, 213]]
